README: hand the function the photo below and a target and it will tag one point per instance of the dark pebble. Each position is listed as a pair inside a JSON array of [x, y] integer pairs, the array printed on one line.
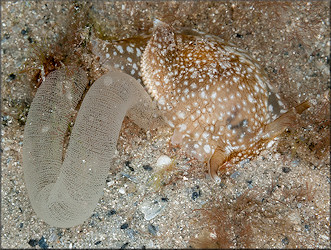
[[127, 163], [164, 199], [124, 245], [33, 242], [97, 242], [147, 167], [195, 195], [286, 170], [307, 227], [23, 32], [125, 226], [285, 241], [30, 40], [42, 243], [12, 77], [249, 182], [21, 224], [152, 229], [239, 35], [111, 212], [196, 192]]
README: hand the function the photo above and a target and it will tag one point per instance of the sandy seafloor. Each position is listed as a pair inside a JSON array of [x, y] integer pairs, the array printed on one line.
[[290, 180]]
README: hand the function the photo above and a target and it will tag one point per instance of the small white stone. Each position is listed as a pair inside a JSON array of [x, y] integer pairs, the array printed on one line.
[[121, 190], [163, 161]]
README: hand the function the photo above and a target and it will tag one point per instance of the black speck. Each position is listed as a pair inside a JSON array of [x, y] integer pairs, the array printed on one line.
[[97, 242], [286, 53], [111, 212], [195, 195], [12, 77], [222, 185], [125, 226], [285, 241], [196, 192], [6, 36], [127, 163], [33, 242], [124, 245], [42, 243], [249, 182], [21, 224], [286, 170], [24, 32], [307, 227], [30, 40], [239, 35], [147, 167], [164, 199]]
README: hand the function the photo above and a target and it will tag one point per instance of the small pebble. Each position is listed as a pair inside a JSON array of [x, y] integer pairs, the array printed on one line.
[[12, 77], [164, 199], [147, 167], [235, 175], [196, 193], [131, 233], [23, 32], [125, 225], [285, 241], [307, 228], [127, 163], [42, 243], [33, 242], [152, 229], [111, 212], [286, 170], [121, 190], [151, 209], [97, 242], [163, 161], [124, 245]]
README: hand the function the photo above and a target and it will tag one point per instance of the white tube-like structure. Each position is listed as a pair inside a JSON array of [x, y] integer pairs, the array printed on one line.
[[65, 193]]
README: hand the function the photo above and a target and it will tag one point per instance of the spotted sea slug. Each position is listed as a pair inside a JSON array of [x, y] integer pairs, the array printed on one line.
[[214, 95]]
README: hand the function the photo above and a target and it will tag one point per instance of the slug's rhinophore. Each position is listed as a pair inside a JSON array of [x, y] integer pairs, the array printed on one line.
[[214, 95]]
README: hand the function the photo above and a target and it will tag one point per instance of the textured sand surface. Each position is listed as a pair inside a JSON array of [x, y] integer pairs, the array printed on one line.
[[287, 187]]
